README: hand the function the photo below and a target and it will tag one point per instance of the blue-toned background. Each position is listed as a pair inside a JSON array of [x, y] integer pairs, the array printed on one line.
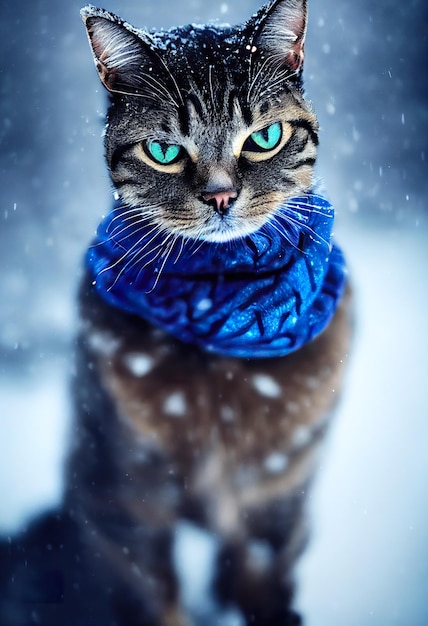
[[366, 73]]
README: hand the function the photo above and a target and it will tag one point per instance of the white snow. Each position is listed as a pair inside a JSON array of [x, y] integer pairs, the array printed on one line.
[[370, 511], [266, 386], [204, 305], [275, 463], [104, 343], [367, 564], [34, 422], [138, 363], [227, 414], [195, 552], [301, 436], [175, 405]]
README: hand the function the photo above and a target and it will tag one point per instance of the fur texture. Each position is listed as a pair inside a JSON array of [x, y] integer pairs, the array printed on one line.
[[208, 133], [206, 90]]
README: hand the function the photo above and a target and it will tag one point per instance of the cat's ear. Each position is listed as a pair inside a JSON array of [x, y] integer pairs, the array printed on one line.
[[119, 53], [279, 31]]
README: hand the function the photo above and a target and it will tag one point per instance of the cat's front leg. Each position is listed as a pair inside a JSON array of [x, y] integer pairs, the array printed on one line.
[[124, 494], [134, 565], [256, 570]]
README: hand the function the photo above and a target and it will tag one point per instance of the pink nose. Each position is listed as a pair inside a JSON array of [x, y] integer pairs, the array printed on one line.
[[221, 199]]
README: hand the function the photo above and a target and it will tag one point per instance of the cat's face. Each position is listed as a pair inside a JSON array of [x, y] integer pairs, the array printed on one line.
[[208, 132]]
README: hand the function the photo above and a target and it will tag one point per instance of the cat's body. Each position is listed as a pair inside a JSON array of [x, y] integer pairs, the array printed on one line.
[[209, 138], [229, 444]]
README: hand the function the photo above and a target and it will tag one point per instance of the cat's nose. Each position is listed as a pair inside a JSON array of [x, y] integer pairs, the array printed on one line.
[[221, 200]]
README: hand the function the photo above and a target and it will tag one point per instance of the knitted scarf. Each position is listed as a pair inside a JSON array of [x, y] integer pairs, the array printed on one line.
[[264, 295]]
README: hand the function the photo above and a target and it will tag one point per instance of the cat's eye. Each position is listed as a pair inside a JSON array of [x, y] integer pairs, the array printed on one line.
[[264, 140], [164, 153]]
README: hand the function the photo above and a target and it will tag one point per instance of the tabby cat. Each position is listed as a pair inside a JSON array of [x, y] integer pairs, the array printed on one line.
[[215, 324]]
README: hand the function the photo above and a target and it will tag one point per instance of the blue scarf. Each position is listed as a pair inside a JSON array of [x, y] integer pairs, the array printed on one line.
[[264, 295]]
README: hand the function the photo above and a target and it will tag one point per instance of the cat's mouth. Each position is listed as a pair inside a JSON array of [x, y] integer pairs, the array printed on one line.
[[233, 216], [229, 226]]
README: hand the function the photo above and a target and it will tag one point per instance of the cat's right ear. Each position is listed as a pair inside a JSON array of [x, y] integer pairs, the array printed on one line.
[[279, 31], [119, 53]]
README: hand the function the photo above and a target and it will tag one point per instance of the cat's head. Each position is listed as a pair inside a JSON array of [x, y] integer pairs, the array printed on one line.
[[208, 132]]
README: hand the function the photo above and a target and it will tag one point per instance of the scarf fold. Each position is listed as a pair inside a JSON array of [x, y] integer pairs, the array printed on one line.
[[264, 295]]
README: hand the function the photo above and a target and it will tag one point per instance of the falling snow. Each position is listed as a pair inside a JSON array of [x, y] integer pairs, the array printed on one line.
[[175, 405], [266, 386], [367, 85], [276, 463], [138, 364]]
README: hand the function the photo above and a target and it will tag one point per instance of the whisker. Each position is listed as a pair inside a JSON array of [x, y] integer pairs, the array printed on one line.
[[134, 232], [132, 252], [310, 210], [157, 87], [307, 206], [167, 255], [250, 89], [210, 81], [274, 74], [120, 260], [120, 230], [135, 258], [183, 242], [156, 251], [280, 229], [269, 86], [173, 80], [302, 226], [140, 213], [129, 221], [260, 71], [200, 242], [133, 212]]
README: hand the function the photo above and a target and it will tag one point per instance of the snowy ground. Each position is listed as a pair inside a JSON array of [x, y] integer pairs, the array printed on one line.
[[368, 561]]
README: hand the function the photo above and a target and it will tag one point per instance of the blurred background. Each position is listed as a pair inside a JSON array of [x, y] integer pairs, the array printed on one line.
[[366, 73]]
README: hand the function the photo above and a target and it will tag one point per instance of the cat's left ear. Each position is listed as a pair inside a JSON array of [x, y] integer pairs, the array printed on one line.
[[280, 29]]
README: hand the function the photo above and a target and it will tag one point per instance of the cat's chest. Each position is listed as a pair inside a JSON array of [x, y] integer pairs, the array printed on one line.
[[189, 404], [214, 437]]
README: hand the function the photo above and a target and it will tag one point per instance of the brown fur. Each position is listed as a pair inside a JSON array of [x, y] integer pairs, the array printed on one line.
[[166, 432], [201, 437]]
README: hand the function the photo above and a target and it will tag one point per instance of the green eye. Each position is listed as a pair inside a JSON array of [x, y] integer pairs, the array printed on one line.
[[266, 139], [164, 153]]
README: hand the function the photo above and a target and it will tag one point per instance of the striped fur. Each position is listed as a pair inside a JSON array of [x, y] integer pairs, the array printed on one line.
[[206, 90], [164, 432]]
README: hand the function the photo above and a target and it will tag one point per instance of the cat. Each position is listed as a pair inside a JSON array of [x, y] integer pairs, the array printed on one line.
[[215, 326]]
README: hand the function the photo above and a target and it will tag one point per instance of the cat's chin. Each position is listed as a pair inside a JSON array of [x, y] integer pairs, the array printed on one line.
[[228, 235], [225, 233]]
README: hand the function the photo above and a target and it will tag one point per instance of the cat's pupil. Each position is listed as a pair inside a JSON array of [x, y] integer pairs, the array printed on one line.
[[164, 153]]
